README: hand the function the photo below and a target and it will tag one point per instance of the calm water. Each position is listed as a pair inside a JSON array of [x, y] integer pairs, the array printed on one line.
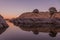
[[22, 33]]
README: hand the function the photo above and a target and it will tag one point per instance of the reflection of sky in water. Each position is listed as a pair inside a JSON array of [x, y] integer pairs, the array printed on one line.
[[15, 33]]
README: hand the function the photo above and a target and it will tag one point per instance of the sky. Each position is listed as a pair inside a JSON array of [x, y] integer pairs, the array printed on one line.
[[14, 8]]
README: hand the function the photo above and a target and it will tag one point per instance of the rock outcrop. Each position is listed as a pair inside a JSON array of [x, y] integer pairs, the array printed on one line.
[[3, 29], [35, 18], [3, 22]]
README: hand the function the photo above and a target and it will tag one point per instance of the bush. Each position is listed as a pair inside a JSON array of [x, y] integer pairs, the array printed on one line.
[[35, 11]]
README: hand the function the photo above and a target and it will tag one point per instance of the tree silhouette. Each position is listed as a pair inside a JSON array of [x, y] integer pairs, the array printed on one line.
[[52, 10], [52, 33], [35, 11]]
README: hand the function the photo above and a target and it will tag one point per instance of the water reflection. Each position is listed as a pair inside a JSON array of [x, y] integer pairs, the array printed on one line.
[[3, 29], [52, 29], [43, 32], [53, 33]]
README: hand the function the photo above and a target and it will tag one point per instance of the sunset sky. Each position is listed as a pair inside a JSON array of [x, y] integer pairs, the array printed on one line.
[[14, 8]]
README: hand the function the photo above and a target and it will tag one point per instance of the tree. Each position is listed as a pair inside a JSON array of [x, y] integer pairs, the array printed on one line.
[[35, 11], [52, 10]]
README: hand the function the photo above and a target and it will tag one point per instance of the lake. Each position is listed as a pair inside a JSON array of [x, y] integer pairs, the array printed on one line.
[[27, 33]]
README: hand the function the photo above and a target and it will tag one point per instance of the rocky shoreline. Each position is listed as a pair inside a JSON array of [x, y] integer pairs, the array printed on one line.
[[3, 23], [36, 18], [35, 21]]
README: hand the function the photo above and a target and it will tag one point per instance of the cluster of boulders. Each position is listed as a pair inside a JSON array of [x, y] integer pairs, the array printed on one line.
[[33, 19], [3, 22]]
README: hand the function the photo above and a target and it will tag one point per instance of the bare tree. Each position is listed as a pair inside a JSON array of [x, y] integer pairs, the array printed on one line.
[[52, 10]]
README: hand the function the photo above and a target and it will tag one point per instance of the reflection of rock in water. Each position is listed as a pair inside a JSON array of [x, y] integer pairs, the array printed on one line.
[[3, 25], [47, 28], [35, 30], [3, 29]]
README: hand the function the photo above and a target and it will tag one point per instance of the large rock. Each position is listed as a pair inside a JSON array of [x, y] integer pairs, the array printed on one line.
[[3, 22], [35, 18], [35, 21]]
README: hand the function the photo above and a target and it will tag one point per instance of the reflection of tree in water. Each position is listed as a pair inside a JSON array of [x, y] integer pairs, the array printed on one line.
[[36, 32], [3, 29], [52, 31], [51, 28]]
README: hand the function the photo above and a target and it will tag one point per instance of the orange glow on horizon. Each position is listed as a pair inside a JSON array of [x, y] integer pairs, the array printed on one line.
[[9, 17]]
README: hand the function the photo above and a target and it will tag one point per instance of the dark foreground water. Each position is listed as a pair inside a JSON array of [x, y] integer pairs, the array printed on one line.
[[27, 33]]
